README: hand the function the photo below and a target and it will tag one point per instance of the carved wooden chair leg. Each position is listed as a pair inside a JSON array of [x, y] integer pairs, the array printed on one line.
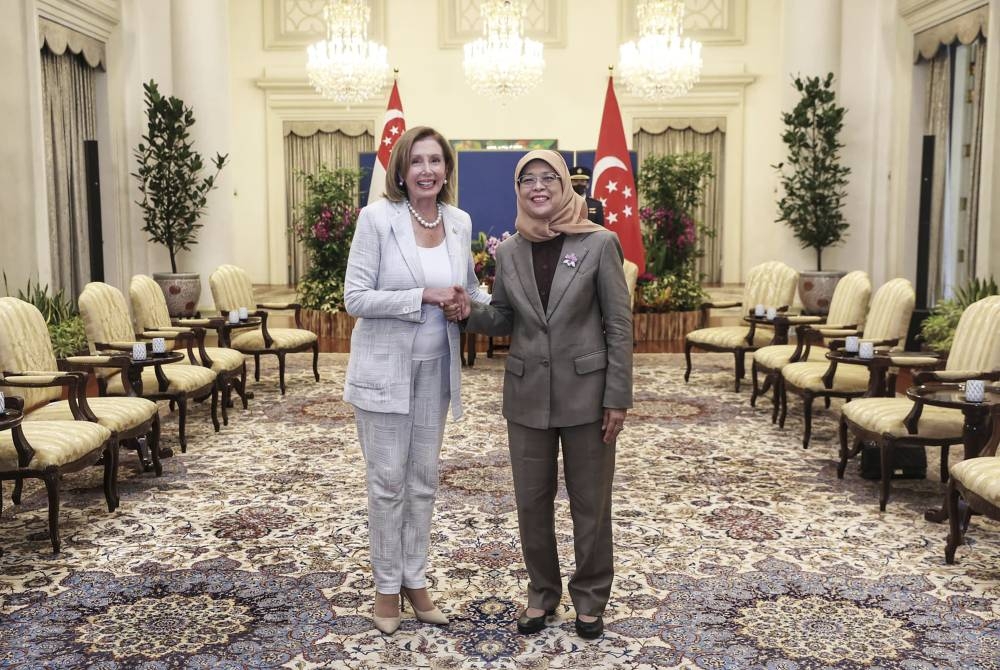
[[783, 414], [741, 371], [256, 367], [153, 444], [111, 475], [687, 360], [955, 534], [226, 384], [807, 411], [182, 423], [51, 479], [15, 496], [755, 386], [842, 431], [944, 462], [316, 360], [215, 408], [776, 400], [281, 371]]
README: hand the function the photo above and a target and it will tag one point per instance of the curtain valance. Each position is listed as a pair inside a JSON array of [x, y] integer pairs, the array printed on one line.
[[701, 125], [59, 38], [310, 128], [965, 29]]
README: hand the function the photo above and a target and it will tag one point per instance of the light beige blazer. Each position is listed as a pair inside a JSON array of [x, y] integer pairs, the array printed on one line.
[[384, 286]]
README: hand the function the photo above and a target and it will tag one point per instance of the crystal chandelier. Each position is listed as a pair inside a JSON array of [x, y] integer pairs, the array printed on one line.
[[660, 64], [346, 67], [503, 63]]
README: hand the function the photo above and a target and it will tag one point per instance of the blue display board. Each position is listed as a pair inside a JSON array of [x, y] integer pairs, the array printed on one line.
[[486, 184]]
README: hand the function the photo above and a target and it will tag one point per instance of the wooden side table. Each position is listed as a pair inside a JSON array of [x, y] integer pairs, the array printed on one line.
[[977, 428]]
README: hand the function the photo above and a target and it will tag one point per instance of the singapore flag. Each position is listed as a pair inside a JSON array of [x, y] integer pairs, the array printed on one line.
[[392, 128], [614, 183]]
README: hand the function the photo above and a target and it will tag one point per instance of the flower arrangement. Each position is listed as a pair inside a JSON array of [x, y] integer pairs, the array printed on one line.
[[484, 254], [326, 227], [671, 187]]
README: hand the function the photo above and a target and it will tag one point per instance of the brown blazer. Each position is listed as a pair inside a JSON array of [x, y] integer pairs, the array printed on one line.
[[569, 363]]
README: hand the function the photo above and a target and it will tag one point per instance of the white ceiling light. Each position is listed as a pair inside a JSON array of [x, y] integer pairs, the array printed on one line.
[[503, 63], [346, 66], [661, 63]]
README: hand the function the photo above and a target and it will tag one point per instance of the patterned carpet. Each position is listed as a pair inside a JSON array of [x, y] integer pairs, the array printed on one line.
[[734, 549]]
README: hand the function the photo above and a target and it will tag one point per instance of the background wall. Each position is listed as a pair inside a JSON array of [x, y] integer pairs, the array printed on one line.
[[241, 92]]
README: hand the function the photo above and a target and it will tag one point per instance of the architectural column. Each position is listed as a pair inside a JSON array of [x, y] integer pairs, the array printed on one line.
[[201, 76], [811, 37]]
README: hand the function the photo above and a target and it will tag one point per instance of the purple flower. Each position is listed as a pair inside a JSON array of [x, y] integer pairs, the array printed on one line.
[[569, 260]]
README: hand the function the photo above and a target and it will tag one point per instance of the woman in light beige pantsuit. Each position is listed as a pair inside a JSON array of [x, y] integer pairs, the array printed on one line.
[[560, 294], [410, 258]]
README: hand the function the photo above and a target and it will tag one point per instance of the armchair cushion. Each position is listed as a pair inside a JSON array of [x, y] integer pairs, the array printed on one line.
[[284, 338], [980, 475], [182, 378], [223, 359], [56, 443], [777, 356], [886, 416], [729, 336], [809, 376], [116, 414], [231, 288]]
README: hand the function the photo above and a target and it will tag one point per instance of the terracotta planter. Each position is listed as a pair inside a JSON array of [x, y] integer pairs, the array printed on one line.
[[182, 291], [336, 325], [816, 290], [666, 325]]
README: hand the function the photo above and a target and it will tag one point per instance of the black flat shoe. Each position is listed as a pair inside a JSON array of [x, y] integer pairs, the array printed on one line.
[[528, 625], [590, 629]]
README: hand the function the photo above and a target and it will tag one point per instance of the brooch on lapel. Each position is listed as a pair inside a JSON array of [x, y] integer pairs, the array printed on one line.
[[569, 260]]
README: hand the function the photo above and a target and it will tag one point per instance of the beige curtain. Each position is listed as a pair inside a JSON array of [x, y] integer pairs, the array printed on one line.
[[937, 103], [977, 60], [309, 145], [673, 136], [69, 118]]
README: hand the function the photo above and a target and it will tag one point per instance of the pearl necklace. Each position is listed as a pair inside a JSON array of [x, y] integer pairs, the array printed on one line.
[[422, 221]]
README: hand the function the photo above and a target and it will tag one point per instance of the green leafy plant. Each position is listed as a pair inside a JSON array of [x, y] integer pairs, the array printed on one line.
[[173, 188], [812, 177], [672, 187], [65, 326], [326, 227], [938, 329]]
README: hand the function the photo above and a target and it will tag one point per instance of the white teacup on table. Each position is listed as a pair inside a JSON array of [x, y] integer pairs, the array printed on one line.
[[851, 343], [975, 390], [759, 310], [866, 349], [772, 313], [244, 313], [159, 345], [234, 316], [139, 351]]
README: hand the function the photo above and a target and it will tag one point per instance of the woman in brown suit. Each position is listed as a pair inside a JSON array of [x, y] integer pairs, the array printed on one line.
[[560, 294]]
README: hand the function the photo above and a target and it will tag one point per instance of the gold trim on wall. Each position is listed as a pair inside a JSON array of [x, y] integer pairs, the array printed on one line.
[[711, 22], [293, 24], [459, 22]]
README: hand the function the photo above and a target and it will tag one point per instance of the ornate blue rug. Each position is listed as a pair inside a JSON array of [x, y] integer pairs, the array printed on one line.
[[735, 548]]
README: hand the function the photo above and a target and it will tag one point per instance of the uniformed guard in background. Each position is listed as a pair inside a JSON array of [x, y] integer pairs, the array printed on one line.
[[579, 176]]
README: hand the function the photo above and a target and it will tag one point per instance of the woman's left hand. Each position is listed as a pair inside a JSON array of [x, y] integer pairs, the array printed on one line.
[[613, 423]]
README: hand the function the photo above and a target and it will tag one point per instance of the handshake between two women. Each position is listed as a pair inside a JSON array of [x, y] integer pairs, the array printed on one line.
[[453, 301]]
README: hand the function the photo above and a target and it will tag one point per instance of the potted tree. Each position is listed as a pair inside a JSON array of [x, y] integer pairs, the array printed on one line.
[[174, 191], [669, 295], [325, 225], [813, 181]]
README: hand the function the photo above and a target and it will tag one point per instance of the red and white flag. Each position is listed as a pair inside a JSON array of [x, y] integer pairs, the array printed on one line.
[[392, 128], [614, 183]]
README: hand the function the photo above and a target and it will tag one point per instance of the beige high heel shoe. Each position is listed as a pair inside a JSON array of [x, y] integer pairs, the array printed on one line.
[[387, 625], [432, 616]]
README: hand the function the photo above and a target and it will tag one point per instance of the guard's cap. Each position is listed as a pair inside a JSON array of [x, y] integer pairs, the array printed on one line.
[[579, 173]]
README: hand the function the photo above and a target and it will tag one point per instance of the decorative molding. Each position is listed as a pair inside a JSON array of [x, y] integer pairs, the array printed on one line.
[[93, 18], [923, 14], [459, 22], [711, 22], [293, 24]]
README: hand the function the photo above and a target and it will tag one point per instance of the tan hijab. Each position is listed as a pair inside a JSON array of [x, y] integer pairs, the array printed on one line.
[[570, 216]]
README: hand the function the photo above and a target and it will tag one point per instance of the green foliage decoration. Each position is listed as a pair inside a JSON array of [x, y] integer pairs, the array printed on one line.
[[325, 226], [672, 187], [812, 177], [174, 191], [61, 316], [938, 329]]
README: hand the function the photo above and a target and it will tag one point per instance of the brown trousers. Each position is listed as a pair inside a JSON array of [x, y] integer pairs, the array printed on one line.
[[588, 467]]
